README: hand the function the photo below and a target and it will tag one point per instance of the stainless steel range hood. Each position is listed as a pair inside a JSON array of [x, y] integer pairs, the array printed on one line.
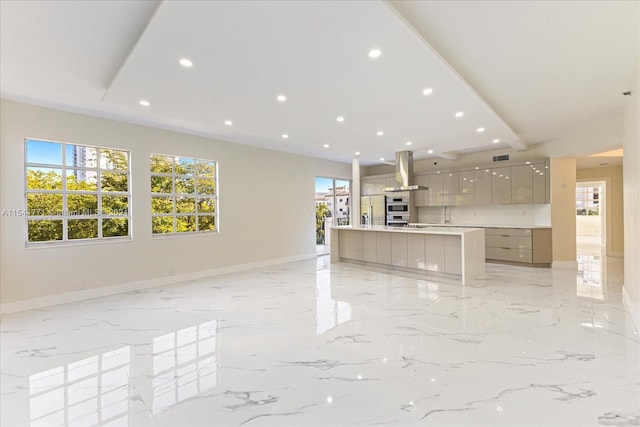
[[404, 173]]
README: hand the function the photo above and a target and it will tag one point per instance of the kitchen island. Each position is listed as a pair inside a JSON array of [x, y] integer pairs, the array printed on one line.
[[439, 251]]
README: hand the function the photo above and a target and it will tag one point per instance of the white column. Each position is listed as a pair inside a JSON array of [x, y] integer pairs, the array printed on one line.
[[355, 192]]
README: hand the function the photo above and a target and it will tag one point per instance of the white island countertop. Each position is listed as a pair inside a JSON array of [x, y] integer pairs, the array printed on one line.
[[428, 229], [479, 225]]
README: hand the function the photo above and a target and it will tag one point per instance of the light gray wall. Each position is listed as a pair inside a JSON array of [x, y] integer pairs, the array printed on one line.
[[267, 212]]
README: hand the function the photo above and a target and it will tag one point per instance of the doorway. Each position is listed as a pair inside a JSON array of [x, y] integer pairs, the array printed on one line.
[[591, 225], [333, 207]]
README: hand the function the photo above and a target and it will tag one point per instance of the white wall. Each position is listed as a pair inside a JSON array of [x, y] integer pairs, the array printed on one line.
[[254, 227], [631, 171]]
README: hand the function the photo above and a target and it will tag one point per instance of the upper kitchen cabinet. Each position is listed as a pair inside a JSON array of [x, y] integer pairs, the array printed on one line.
[[436, 190], [482, 183], [541, 193], [451, 186], [467, 188], [370, 186], [501, 186], [521, 184], [421, 197]]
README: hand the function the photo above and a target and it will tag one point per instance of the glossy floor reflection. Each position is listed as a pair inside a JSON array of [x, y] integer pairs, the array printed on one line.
[[319, 344]]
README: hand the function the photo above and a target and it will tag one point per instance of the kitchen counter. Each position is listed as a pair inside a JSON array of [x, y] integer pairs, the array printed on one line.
[[452, 252], [481, 226]]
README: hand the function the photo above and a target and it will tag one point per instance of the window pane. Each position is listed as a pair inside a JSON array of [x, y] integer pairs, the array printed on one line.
[[206, 205], [160, 205], [44, 179], [83, 229], [184, 185], [114, 159], [161, 164], [184, 166], [162, 224], [206, 223], [79, 156], [161, 184], [44, 152], [115, 227], [206, 169], [206, 186], [82, 180], [114, 181], [44, 231], [115, 205], [186, 224], [82, 204], [44, 204], [185, 204]]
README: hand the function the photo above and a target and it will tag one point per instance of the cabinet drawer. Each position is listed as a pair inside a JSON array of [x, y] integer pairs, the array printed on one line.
[[513, 255], [508, 231], [511, 242]]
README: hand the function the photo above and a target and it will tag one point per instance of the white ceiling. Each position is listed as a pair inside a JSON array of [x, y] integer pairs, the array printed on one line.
[[546, 67]]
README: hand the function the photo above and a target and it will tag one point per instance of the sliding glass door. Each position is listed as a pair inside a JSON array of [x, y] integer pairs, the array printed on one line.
[[333, 207]]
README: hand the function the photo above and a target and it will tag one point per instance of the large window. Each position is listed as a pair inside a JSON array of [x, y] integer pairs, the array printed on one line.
[[183, 195], [75, 192]]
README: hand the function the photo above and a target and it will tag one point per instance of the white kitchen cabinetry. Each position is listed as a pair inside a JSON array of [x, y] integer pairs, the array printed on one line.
[[452, 255], [356, 245], [344, 244], [383, 248], [399, 249], [501, 185], [467, 188], [421, 197], [436, 189], [451, 182], [540, 183], [371, 186], [521, 184], [415, 251], [483, 187], [369, 247], [434, 253], [520, 245]]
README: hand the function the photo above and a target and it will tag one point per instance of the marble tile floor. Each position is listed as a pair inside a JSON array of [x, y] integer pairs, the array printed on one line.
[[310, 343]]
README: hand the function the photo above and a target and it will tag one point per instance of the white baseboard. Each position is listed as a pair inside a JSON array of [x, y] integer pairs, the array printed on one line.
[[564, 264], [48, 301], [633, 309]]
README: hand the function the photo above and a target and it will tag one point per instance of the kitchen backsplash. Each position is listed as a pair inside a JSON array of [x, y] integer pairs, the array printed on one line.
[[533, 215]]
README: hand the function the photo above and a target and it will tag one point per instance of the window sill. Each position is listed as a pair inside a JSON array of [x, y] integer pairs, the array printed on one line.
[[72, 243], [182, 235]]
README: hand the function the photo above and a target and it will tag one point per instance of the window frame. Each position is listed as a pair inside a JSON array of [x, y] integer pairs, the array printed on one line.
[[65, 216], [174, 195]]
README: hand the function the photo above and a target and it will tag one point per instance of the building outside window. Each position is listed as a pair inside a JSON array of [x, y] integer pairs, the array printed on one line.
[[183, 195], [75, 192]]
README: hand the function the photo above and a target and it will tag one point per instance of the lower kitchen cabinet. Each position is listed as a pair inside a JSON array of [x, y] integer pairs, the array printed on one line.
[[399, 249], [369, 247], [434, 253], [383, 248], [415, 251], [520, 245], [453, 254]]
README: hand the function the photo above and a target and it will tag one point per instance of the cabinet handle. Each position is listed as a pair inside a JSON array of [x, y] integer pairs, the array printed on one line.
[[505, 248], [505, 235]]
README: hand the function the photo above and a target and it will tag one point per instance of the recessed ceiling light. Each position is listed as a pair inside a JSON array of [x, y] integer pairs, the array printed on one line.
[[438, 172], [477, 167], [357, 153], [382, 159], [340, 119], [427, 91], [228, 122], [281, 98], [144, 103], [326, 145], [186, 63], [430, 151], [460, 114], [495, 141], [408, 143], [374, 53], [480, 130], [380, 133], [285, 136], [527, 163]]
